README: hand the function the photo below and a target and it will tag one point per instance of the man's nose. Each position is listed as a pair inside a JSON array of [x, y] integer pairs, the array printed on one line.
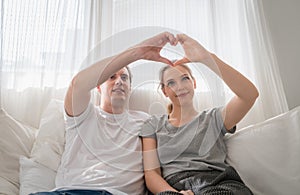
[[119, 81]]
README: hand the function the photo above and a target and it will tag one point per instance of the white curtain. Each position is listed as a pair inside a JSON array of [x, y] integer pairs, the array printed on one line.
[[233, 29], [45, 42]]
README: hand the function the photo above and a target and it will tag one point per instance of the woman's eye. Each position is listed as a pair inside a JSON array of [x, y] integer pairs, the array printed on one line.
[[186, 78], [113, 77], [171, 84]]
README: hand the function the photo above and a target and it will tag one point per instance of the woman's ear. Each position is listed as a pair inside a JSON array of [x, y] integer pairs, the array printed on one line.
[[195, 84]]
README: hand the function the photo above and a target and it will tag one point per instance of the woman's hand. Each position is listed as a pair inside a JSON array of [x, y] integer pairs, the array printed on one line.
[[194, 52], [150, 48]]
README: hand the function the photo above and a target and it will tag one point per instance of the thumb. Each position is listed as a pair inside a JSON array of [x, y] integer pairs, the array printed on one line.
[[181, 38], [182, 61], [165, 60]]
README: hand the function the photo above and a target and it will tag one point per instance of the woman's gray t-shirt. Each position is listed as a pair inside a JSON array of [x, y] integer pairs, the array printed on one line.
[[197, 145]]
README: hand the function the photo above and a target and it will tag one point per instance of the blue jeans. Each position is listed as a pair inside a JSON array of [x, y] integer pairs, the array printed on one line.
[[74, 192]]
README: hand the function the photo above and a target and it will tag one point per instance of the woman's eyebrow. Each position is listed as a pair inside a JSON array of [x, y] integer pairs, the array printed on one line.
[[180, 77], [169, 80], [184, 75]]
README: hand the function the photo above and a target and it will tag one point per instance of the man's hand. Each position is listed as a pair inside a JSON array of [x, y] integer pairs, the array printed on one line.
[[150, 48]]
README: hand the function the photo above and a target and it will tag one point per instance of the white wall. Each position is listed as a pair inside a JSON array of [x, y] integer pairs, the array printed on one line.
[[283, 17]]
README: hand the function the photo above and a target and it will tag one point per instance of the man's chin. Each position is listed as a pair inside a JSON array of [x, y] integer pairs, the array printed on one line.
[[118, 101]]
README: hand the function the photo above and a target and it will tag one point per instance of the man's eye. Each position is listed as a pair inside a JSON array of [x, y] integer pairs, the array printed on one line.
[[124, 78], [113, 77]]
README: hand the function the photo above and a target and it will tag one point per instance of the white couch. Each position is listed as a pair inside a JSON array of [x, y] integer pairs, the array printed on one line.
[[267, 155]]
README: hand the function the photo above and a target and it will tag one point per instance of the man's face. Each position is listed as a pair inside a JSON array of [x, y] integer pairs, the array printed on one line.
[[116, 89]]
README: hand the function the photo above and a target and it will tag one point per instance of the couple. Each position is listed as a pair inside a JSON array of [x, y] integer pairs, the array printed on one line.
[[181, 153]]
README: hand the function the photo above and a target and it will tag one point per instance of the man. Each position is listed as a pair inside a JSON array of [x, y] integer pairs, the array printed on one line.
[[103, 151]]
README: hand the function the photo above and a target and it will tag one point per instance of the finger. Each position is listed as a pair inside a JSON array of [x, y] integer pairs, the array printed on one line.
[[167, 37], [181, 61], [165, 60], [181, 38], [172, 39]]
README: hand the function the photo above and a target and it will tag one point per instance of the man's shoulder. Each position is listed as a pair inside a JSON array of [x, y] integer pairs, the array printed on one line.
[[138, 114], [157, 120]]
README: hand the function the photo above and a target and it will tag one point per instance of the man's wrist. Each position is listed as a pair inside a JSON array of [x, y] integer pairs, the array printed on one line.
[[126, 57], [134, 54]]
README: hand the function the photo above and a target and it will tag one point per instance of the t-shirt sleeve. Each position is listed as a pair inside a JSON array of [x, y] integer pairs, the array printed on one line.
[[220, 122], [149, 127], [73, 122]]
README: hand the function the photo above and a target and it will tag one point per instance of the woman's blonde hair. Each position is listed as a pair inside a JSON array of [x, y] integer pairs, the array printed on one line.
[[161, 80]]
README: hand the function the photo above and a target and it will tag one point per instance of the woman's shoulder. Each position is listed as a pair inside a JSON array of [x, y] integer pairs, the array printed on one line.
[[211, 112]]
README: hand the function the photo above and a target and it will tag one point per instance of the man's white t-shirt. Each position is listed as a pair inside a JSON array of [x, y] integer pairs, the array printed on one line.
[[103, 152]]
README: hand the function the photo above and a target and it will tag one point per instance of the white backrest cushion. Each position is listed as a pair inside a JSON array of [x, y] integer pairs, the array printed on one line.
[[267, 155], [148, 101], [154, 102]]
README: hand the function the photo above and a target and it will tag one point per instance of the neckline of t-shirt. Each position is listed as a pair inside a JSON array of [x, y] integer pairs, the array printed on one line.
[[116, 116], [171, 127]]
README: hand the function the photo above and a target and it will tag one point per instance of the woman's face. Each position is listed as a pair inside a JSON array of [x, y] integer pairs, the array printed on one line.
[[178, 85]]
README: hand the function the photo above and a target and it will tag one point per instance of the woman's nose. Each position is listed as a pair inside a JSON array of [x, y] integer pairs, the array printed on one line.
[[179, 86]]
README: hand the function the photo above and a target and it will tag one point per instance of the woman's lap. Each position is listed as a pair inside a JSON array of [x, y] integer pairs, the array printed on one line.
[[210, 182], [74, 192]]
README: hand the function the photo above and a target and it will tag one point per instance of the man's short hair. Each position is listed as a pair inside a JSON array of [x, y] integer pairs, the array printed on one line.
[[130, 74]]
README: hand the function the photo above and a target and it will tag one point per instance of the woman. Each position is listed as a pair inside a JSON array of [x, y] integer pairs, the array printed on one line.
[[184, 151]]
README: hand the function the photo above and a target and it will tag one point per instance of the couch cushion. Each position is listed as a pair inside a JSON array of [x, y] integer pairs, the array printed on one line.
[[38, 172], [15, 140], [35, 177], [49, 144], [267, 156]]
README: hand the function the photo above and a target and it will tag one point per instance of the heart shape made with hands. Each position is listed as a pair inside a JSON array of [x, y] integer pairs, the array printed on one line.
[[180, 38], [150, 48], [193, 51]]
